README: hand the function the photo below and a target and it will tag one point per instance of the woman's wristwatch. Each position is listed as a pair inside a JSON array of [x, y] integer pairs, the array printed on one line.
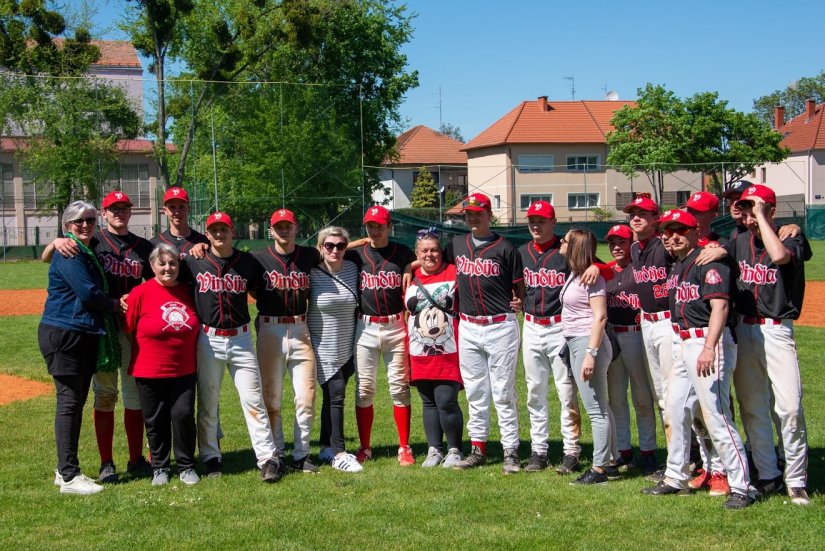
[[593, 351]]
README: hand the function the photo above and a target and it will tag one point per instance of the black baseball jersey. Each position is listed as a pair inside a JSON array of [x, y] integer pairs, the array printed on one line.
[[622, 299], [691, 288], [182, 244], [807, 252], [486, 274], [381, 277], [651, 264], [544, 275], [764, 289], [124, 258], [221, 287], [284, 288]]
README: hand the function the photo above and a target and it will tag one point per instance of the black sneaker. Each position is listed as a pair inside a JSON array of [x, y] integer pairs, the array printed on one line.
[[612, 472], [647, 463], [512, 464], [568, 465], [141, 467], [625, 462], [537, 462], [591, 476], [213, 468], [108, 473], [665, 489], [657, 476], [768, 487], [304, 465], [475, 459], [737, 501], [272, 470]]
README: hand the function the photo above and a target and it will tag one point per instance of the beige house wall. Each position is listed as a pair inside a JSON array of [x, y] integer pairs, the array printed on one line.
[[817, 172]]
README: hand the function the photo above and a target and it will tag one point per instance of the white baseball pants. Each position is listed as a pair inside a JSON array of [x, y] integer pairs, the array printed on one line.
[[658, 340], [373, 340], [104, 384], [631, 367]]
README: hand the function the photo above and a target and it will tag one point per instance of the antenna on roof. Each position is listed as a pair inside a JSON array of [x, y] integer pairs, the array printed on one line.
[[611, 96], [440, 122], [572, 80]]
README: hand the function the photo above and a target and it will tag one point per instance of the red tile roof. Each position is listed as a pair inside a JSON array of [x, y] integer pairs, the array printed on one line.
[[114, 53], [559, 122], [421, 145], [123, 146], [803, 134]]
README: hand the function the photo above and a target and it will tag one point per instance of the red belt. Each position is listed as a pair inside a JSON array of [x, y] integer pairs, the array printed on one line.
[[761, 321], [656, 316], [215, 332], [381, 319], [542, 320], [283, 319], [484, 320], [693, 333], [626, 328]]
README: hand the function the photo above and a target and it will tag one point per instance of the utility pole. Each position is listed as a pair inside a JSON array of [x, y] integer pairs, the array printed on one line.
[[572, 80]]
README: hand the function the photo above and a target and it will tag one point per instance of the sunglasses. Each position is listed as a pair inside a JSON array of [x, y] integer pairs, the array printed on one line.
[[79, 222], [336, 246], [681, 230], [432, 231]]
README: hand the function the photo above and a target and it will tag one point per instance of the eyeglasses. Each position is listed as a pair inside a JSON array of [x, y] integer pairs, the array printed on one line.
[[337, 246], [116, 208], [681, 230], [432, 231], [79, 222]]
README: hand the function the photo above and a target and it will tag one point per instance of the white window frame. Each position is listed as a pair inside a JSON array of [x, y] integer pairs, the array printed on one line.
[[532, 198], [496, 202], [582, 194], [581, 167], [7, 180], [525, 166], [141, 198]]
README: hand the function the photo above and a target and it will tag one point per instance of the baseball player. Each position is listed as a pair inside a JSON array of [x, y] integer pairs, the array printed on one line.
[[180, 235], [699, 298], [704, 207], [490, 275], [623, 315], [125, 259], [381, 330], [221, 281], [770, 291], [283, 335]]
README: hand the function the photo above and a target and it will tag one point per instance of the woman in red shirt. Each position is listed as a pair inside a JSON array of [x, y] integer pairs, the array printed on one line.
[[161, 315]]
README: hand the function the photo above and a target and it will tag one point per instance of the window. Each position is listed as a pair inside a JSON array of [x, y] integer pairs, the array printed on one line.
[[535, 163], [682, 197], [764, 172], [527, 200], [133, 180], [7, 179], [496, 202], [582, 200], [580, 163], [35, 195]]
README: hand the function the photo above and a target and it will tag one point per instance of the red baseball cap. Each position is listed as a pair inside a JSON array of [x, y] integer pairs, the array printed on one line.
[[115, 197], [703, 201], [620, 230], [678, 217], [282, 215], [219, 218], [477, 202], [543, 209], [763, 192], [175, 193], [644, 203], [377, 214]]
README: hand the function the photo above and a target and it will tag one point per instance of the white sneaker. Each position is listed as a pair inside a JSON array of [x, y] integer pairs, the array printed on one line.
[[346, 462], [326, 455], [160, 477], [434, 458], [58, 478], [454, 457], [80, 485], [799, 496], [189, 477]]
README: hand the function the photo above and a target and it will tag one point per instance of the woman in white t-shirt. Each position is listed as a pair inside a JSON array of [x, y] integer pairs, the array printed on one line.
[[584, 316]]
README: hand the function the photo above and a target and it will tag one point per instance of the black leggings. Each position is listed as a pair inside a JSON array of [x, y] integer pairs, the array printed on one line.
[[71, 391], [168, 406], [442, 414], [332, 409]]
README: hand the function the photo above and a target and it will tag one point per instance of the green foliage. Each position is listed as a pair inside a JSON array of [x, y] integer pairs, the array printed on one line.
[[602, 214], [452, 131], [792, 98], [424, 192]]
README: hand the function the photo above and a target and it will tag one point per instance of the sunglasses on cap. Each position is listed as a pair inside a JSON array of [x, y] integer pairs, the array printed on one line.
[[432, 231], [681, 230], [79, 222], [336, 246]]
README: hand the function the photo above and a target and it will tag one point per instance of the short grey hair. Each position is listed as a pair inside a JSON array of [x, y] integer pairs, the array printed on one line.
[[332, 231], [76, 210], [163, 249]]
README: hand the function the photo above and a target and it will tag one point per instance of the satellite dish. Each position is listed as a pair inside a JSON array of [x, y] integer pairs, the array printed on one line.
[[441, 189], [611, 96]]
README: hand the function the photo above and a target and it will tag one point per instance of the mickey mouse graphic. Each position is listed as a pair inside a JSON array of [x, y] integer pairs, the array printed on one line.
[[432, 328]]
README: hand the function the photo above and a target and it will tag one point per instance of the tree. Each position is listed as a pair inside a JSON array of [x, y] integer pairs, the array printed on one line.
[[424, 192], [792, 98], [452, 131]]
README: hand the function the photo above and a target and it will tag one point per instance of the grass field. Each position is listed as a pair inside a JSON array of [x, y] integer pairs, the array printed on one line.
[[383, 507]]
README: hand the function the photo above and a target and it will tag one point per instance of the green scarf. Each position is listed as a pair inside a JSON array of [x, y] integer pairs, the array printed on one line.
[[108, 348]]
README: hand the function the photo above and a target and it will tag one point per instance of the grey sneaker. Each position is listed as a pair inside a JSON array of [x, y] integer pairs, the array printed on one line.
[[737, 501], [304, 465], [189, 477], [475, 459], [512, 464], [454, 457], [434, 457], [537, 462], [160, 477], [569, 464], [799, 496], [272, 470], [108, 473]]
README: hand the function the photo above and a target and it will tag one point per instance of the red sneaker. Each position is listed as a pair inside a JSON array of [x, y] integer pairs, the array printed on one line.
[[719, 485], [405, 456], [701, 482], [363, 454]]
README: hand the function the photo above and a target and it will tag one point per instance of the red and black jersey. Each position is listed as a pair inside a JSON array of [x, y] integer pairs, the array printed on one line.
[[764, 289], [545, 270], [381, 277], [692, 287], [486, 273], [651, 264], [182, 244], [221, 287], [622, 299], [284, 288], [124, 258]]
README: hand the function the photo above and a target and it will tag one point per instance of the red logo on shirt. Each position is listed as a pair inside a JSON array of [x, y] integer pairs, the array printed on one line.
[[175, 316], [381, 280], [649, 273], [477, 267], [543, 278], [759, 274], [686, 292], [624, 300], [291, 281], [713, 278], [228, 283], [122, 268]]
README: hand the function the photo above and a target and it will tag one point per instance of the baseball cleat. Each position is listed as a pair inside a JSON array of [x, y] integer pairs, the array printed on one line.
[[719, 485], [568, 465], [590, 477], [701, 481], [772, 486], [612, 472], [738, 501], [475, 459], [665, 489], [405, 456], [108, 473], [272, 470], [363, 455], [537, 462], [512, 463]]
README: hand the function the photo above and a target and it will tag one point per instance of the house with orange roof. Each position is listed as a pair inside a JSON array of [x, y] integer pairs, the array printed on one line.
[[556, 151], [418, 147]]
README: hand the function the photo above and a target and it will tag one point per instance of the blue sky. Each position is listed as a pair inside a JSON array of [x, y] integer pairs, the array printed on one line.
[[487, 56]]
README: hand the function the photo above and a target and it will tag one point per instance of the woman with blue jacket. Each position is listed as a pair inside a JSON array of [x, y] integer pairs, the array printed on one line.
[[74, 341]]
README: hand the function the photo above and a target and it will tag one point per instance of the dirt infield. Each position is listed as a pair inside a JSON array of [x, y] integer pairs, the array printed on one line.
[[17, 388]]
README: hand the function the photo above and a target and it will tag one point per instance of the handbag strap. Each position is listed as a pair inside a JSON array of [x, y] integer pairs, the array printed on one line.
[[341, 281], [431, 299]]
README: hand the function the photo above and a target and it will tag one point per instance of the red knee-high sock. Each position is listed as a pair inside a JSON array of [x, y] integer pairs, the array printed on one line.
[[402, 416], [133, 421], [104, 433], [364, 417], [480, 445]]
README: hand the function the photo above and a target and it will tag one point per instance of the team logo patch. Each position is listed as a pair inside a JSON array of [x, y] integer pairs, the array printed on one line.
[[175, 192], [713, 278], [615, 228], [119, 195], [175, 316], [373, 211], [697, 196], [218, 216]]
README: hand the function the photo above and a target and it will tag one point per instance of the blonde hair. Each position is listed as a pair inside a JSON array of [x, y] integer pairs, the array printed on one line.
[[331, 231], [581, 249]]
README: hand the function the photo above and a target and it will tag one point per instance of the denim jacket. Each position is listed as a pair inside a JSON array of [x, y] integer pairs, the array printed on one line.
[[76, 300]]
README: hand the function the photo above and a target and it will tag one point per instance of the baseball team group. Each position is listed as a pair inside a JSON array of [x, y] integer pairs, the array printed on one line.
[[675, 320]]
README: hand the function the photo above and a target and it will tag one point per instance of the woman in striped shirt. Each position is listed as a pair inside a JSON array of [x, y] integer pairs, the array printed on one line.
[[333, 299]]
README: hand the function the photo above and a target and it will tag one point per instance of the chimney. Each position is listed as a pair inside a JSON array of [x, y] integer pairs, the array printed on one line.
[[542, 103], [778, 117], [810, 107]]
